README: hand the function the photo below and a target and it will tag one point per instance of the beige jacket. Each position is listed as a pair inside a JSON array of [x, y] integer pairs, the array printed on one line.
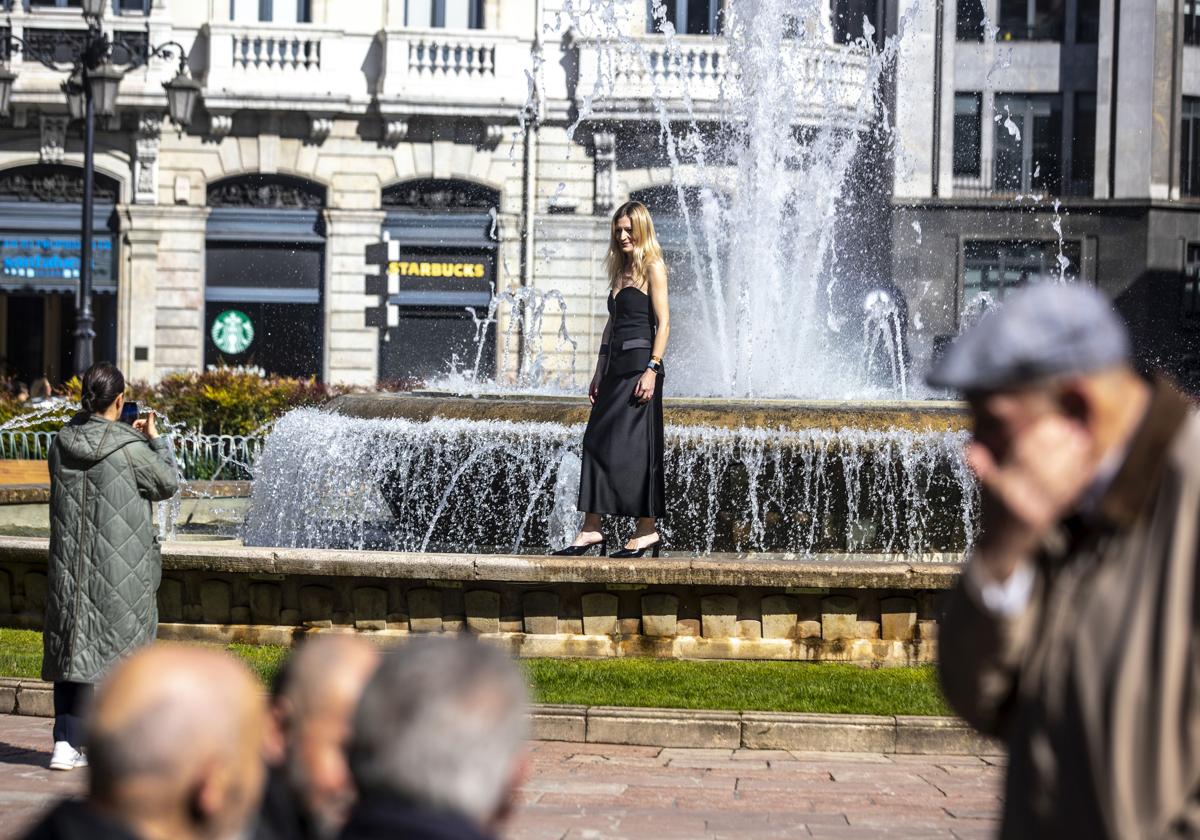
[[1095, 687]]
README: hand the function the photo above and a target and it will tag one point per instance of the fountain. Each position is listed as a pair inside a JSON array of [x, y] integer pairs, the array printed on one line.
[[759, 170]]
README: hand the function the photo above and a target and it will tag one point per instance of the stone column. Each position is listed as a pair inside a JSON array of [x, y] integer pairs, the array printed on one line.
[[351, 347], [136, 297], [161, 294]]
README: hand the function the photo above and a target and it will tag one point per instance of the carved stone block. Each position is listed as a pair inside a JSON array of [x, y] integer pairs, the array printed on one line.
[[839, 617], [316, 606], [660, 614], [718, 616], [779, 617], [266, 601], [425, 610], [370, 608], [599, 613], [898, 619], [483, 611], [215, 606], [541, 613], [170, 600]]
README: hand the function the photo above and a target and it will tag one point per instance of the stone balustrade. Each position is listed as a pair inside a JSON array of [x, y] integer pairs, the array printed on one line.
[[863, 609], [282, 67], [692, 76], [435, 71]]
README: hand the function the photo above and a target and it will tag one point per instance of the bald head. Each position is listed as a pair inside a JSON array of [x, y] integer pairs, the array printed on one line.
[[175, 741], [314, 705]]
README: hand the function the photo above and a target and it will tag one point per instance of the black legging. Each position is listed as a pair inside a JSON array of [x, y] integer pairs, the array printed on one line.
[[71, 702]]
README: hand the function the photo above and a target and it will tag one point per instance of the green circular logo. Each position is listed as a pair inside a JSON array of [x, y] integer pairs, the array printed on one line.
[[232, 332]]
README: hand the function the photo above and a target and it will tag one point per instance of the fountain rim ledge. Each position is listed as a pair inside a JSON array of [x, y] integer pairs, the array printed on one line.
[[842, 571], [726, 412]]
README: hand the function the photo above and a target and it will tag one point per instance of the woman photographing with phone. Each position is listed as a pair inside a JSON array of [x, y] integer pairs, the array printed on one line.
[[105, 565], [622, 472]]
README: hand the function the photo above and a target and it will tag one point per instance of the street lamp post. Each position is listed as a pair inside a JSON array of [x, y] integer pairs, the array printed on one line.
[[91, 91]]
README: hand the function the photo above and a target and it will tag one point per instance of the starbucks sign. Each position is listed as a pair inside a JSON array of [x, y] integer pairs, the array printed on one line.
[[232, 332]]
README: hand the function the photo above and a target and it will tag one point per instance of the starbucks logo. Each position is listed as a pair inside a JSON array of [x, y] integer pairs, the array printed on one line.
[[232, 332]]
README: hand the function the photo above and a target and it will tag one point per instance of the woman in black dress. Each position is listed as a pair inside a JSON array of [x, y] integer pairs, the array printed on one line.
[[622, 471]]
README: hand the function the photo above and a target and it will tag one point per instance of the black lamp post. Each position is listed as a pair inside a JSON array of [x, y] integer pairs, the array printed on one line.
[[91, 91]]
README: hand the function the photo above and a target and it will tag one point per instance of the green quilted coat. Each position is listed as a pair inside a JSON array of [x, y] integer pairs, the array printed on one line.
[[105, 564]]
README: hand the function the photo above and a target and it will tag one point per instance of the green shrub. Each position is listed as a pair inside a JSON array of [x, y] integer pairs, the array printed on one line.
[[218, 401]]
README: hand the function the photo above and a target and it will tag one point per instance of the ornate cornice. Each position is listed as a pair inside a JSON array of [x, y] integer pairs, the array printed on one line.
[[53, 184], [441, 195]]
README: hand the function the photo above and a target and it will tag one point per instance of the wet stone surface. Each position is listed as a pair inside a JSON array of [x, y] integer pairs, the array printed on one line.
[[583, 791]]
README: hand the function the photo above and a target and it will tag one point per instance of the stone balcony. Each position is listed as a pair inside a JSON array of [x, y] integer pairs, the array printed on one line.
[[626, 80], [39, 88], [275, 67]]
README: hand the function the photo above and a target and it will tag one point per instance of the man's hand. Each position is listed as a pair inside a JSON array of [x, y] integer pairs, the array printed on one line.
[[1035, 486], [594, 388]]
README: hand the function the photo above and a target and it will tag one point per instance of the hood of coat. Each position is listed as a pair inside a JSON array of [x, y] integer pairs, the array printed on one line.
[[90, 438]]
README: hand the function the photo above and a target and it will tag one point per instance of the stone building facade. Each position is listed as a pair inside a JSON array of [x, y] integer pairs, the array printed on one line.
[[319, 133], [1081, 117]]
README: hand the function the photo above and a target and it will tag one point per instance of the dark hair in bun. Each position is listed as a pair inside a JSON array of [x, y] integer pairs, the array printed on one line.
[[102, 384]]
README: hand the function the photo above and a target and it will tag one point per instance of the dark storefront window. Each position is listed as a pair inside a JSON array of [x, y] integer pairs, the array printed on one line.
[[1087, 21], [1189, 304], [1028, 154], [40, 209], [968, 127], [688, 17], [969, 26], [264, 275], [1191, 22], [1031, 20], [1083, 145], [992, 269], [1189, 169], [444, 275], [848, 18]]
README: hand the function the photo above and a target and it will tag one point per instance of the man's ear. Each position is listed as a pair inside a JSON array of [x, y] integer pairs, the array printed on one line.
[[1075, 402], [206, 798], [279, 721]]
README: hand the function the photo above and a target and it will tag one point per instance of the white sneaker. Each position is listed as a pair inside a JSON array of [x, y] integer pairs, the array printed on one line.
[[66, 757]]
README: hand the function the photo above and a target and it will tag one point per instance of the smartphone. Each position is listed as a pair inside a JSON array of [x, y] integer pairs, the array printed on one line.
[[130, 412]]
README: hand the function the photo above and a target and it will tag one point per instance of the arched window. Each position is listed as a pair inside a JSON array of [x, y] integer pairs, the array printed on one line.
[[441, 195], [54, 184], [266, 192]]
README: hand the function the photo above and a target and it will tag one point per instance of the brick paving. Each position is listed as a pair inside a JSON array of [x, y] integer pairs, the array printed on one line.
[[594, 791]]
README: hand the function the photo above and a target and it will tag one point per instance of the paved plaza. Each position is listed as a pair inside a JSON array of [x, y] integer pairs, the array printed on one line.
[[583, 791]]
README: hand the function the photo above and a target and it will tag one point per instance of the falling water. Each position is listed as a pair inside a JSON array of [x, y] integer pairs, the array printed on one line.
[[479, 486], [759, 174]]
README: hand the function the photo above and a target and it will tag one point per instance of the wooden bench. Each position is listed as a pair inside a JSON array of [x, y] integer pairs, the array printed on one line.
[[14, 471]]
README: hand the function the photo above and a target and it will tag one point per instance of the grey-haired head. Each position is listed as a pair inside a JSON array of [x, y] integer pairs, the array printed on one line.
[[442, 725], [1038, 333]]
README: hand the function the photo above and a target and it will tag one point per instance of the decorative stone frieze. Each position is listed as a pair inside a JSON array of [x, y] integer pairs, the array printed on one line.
[[219, 126], [605, 163], [395, 131], [53, 138], [319, 129], [145, 167]]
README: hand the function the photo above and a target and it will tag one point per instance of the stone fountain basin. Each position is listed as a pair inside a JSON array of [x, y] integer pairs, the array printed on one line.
[[723, 412]]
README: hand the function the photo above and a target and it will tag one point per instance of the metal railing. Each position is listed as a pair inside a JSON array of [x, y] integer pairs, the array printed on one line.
[[199, 456]]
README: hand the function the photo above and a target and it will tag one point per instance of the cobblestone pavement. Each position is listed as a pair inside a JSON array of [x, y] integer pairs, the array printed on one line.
[[585, 791]]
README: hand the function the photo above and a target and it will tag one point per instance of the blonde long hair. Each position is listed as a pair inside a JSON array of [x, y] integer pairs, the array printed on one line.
[[646, 250]]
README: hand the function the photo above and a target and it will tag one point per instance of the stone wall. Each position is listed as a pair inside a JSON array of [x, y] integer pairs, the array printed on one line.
[[838, 609]]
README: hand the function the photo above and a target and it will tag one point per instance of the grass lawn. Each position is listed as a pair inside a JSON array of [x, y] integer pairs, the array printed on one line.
[[676, 684]]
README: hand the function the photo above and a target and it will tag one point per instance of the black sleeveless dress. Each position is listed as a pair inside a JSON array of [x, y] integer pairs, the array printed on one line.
[[623, 446]]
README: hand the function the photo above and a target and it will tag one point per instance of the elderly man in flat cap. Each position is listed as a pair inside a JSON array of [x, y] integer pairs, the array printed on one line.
[[1073, 634]]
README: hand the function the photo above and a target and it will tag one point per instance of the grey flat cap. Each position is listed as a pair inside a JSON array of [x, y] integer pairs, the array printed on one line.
[[1050, 329]]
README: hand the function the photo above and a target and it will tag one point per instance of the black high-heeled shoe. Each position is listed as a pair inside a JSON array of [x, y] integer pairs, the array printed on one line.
[[654, 549], [580, 550]]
